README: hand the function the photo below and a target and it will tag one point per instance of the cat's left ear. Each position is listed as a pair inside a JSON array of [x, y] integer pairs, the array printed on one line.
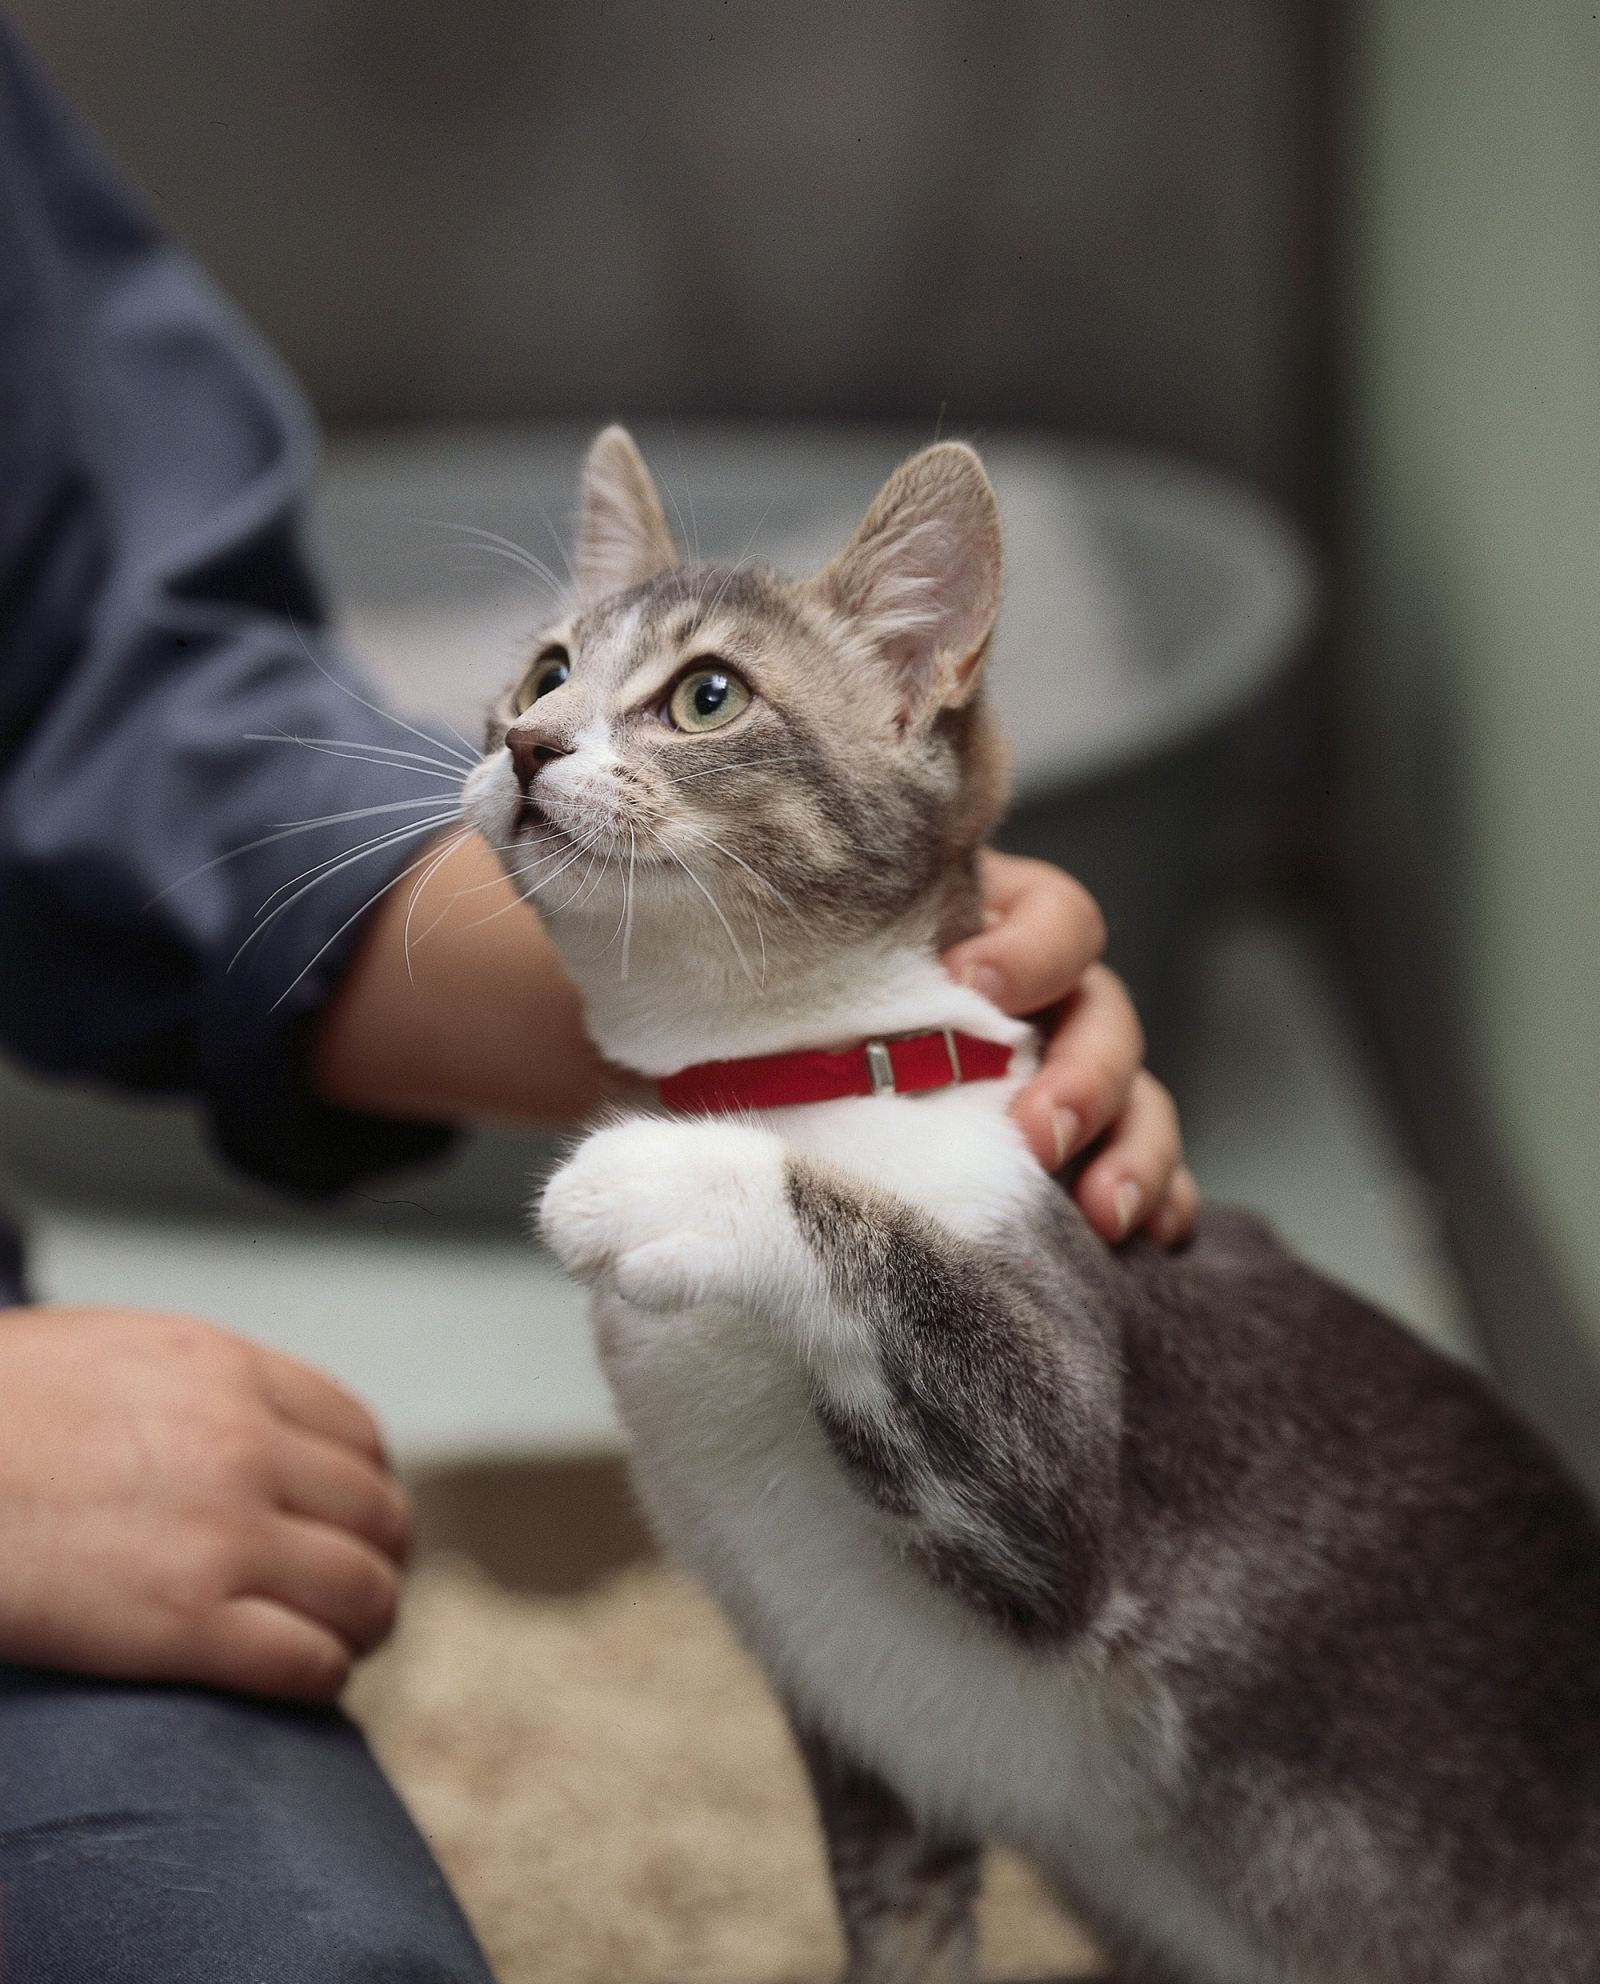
[[921, 577], [623, 538]]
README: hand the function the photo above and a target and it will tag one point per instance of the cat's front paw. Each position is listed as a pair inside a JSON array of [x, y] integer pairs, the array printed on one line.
[[671, 1214]]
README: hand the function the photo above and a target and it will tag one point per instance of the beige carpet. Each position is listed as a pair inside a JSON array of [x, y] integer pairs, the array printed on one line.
[[614, 1795]]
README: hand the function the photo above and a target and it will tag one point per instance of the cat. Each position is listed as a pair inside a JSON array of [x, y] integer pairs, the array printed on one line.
[[1266, 1633]]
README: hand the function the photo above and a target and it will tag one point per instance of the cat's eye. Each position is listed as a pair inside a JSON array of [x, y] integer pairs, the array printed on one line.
[[550, 669], [706, 698]]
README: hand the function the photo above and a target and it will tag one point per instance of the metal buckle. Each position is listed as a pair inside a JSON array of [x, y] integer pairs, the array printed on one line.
[[880, 1069], [880, 1065]]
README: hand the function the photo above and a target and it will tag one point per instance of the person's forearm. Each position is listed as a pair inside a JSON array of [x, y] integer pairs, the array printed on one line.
[[478, 1022]]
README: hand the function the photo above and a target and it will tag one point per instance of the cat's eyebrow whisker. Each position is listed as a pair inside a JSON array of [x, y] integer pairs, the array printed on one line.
[[391, 839], [356, 914], [377, 754], [344, 688], [560, 542], [537, 586], [683, 475], [508, 548], [738, 565]]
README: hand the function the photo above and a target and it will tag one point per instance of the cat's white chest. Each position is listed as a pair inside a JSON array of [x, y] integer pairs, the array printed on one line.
[[749, 1496], [956, 1155], [748, 1493]]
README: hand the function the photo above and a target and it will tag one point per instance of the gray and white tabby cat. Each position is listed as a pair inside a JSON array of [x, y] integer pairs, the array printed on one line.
[[1263, 1631]]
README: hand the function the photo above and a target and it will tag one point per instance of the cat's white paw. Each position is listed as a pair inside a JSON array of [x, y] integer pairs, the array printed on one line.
[[672, 1214]]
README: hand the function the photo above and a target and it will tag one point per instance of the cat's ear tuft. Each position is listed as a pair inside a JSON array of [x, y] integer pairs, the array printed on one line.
[[623, 538], [921, 577]]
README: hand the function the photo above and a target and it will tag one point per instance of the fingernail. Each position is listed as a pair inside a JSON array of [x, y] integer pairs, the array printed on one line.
[[1127, 1204], [1064, 1127], [985, 979]]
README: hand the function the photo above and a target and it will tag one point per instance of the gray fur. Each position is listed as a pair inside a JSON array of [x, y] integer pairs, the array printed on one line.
[[1370, 1597]]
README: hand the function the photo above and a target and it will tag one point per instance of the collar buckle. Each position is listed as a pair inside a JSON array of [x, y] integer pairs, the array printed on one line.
[[880, 1063]]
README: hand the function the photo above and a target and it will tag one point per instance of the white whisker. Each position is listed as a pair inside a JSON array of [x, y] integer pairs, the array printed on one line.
[[754, 874], [366, 812], [526, 874], [590, 878], [378, 754], [475, 751], [716, 911], [738, 765], [355, 915], [579, 850], [417, 887], [266, 840], [339, 854], [505, 547], [388, 716], [688, 493], [391, 839], [738, 565], [627, 904]]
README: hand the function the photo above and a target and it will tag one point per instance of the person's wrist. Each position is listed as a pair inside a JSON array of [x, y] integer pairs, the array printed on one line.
[[456, 1006]]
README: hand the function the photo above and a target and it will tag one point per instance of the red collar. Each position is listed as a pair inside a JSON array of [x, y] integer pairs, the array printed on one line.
[[895, 1064]]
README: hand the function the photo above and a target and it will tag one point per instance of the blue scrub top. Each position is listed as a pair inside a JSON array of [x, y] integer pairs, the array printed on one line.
[[156, 608]]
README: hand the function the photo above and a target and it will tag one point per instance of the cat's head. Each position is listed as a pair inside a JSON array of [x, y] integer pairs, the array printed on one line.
[[754, 766]]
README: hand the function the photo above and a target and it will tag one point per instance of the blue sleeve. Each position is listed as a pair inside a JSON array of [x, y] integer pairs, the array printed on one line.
[[157, 612]]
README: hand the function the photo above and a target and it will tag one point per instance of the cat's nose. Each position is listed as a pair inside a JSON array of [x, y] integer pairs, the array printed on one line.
[[530, 751]]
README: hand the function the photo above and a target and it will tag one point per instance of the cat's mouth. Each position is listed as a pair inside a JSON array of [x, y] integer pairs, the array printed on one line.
[[530, 814]]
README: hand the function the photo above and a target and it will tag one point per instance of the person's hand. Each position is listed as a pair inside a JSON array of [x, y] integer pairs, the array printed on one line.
[[179, 1505], [1040, 948]]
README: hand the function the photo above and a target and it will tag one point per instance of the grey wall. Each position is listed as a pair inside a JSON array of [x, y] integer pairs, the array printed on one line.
[[1475, 492], [1064, 210]]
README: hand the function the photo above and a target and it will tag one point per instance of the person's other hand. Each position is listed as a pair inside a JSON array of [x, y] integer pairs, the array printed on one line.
[[177, 1504], [1040, 948]]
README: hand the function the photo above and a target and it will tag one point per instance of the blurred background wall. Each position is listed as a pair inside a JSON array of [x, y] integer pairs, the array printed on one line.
[[1472, 605], [1349, 254], [1099, 216]]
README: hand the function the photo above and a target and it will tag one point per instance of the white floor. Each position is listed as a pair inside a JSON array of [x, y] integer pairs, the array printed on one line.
[[477, 1347]]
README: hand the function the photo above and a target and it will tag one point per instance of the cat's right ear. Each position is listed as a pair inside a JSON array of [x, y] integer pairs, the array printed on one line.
[[623, 538]]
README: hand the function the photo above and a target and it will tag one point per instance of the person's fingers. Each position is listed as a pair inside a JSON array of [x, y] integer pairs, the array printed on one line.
[[262, 1647], [1173, 1219], [1042, 930], [327, 1481], [314, 1401], [330, 1576], [1130, 1178], [1086, 1074]]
